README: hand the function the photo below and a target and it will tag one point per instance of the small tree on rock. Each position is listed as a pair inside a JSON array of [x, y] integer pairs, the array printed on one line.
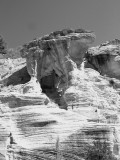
[[3, 46]]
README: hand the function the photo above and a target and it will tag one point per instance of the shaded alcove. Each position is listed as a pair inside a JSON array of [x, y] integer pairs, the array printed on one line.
[[97, 62], [49, 87], [19, 77], [48, 82]]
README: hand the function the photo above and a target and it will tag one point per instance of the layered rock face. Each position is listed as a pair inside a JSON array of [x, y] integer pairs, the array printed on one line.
[[32, 123], [43, 131], [105, 58], [51, 51], [48, 58]]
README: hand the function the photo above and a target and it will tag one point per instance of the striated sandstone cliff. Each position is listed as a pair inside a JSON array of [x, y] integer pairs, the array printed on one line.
[[54, 77], [51, 52], [48, 59]]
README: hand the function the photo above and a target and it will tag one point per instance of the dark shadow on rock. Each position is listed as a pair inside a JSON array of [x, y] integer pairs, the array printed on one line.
[[16, 102], [19, 77], [48, 85], [42, 124], [2, 157]]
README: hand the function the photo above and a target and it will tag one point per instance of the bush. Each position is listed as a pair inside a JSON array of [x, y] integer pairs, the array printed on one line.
[[3, 46]]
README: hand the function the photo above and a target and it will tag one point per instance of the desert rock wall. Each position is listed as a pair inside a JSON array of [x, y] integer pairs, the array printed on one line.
[[105, 58], [63, 110]]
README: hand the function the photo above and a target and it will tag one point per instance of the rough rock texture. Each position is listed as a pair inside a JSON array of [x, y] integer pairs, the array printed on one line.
[[50, 52], [8, 66], [48, 59], [43, 131], [32, 123], [105, 58]]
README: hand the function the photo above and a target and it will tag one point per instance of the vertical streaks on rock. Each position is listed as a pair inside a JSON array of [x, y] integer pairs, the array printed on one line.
[[50, 53]]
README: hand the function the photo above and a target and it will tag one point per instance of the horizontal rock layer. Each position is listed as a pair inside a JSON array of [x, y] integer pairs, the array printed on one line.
[[43, 131]]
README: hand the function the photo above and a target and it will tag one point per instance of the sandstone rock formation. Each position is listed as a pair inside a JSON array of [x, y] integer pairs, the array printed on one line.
[[36, 124], [47, 58], [32, 96], [105, 58], [55, 48], [13, 71]]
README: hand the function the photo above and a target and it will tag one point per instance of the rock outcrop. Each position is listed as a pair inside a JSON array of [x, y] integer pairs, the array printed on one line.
[[53, 50], [19, 77], [54, 108], [42, 130], [48, 58], [105, 58], [13, 71]]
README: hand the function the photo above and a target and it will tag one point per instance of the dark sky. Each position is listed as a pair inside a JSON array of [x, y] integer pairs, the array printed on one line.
[[23, 20]]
